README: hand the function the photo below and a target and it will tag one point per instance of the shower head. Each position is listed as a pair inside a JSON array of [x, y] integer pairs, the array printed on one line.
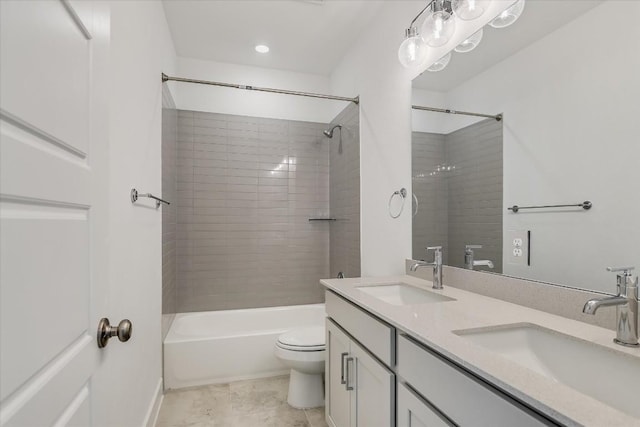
[[329, 132]]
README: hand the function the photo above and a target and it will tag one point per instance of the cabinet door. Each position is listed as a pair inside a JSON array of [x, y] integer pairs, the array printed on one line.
[[338, 413], [373, 388], [414, 412]]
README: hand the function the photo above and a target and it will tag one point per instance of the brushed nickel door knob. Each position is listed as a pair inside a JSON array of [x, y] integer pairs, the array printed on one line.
[[106, 331]]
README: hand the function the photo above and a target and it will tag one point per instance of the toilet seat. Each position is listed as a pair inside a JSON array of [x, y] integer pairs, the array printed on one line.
[[303, 339]]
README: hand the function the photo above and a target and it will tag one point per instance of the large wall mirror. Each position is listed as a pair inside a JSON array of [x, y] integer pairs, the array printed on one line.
[[565, 78]]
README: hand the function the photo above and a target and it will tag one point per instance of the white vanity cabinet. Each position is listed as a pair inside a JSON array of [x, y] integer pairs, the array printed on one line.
[[452, 392], [367, 362], [414, 411], [337, 396], [360, 389]]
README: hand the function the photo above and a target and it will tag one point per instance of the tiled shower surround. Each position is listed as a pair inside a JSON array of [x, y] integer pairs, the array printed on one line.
[[458, 181], [169, 212], [344, 190], [246, 189]]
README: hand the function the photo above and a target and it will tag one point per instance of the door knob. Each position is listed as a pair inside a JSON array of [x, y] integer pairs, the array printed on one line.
[[106, 331]]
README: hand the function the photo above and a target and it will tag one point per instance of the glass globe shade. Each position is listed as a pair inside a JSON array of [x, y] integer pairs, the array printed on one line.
[[440, 64], [412, 52], [469, 9], [438, 28], [508, 16], [469, 44]]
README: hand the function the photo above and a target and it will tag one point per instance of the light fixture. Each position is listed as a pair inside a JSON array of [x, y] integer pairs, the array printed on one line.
[[439, 26], [440, 64], [262, 48], [469, 44], [469, 9], [508, 16], [413, 50]]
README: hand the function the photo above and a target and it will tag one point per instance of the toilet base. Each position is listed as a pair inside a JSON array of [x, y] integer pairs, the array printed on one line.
[[305, 390]]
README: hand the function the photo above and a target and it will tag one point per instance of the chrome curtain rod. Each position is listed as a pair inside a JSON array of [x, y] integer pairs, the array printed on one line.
[[497, 117], [166, 78]]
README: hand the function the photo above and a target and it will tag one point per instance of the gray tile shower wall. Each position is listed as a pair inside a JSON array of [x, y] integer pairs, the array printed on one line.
[[430, 223], [458, 181], [344, 184], [247, 187], [169, 212], [475, 192]]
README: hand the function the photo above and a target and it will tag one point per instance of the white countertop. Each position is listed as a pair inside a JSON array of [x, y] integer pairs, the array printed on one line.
[[433, 323]]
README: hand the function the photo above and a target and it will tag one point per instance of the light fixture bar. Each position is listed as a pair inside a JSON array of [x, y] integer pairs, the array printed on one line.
[[421, 12], [497, 117], [356, 100]]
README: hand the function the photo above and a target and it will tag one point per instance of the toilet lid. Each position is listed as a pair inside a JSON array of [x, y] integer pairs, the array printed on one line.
[[303, 339]]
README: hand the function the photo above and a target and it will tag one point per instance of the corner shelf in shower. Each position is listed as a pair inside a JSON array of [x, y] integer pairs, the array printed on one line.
[[322, 219]]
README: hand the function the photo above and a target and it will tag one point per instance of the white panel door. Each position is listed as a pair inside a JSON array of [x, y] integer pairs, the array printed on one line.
[[53, 193]]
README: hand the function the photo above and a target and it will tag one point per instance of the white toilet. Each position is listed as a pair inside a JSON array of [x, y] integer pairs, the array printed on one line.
[[303, 350]]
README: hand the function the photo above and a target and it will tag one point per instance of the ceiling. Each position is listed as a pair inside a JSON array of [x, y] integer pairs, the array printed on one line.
[[312, 36], [540, 17], [308, 36]]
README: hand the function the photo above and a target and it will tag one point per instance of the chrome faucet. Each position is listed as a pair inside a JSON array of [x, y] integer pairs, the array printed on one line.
[[436, 264], [626, 303], [469, 262]]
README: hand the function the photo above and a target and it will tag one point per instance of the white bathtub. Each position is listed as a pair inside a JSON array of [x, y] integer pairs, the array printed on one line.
[[221, 346]]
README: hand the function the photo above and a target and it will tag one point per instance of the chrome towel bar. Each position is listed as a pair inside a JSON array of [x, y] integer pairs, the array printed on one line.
[[135, 195], [586, 205]]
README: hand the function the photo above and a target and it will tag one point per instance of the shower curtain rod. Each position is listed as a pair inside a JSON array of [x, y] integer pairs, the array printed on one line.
[[497, 117], [166, 78]]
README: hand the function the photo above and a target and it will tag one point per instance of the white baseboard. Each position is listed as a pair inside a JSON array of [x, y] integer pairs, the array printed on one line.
[[154, 406]]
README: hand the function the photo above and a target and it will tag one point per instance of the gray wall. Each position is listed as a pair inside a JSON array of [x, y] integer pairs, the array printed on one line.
[[475, 192], [344, 179], [246, 189], [471, 191], [431, 223], [169, 212]]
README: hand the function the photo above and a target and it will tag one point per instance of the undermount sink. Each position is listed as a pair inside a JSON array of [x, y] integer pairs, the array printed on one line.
[[607, 375], [402, 294]]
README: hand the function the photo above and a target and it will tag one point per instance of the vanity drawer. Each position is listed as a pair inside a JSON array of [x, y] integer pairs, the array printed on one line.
[[462, 398], [375, 335]]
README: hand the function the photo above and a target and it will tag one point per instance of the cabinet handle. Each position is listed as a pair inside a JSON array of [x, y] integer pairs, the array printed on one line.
[[348, 381], [342, 356]]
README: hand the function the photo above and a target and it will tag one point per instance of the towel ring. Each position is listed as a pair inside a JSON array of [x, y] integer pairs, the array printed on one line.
[[403, 194]]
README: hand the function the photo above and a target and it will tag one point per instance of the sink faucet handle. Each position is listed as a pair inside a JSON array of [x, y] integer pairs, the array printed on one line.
[[625, 270], [469, 247], [437, 254], [625, 280]]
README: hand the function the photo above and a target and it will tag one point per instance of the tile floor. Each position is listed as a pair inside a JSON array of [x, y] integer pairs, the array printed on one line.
[[253, 403]]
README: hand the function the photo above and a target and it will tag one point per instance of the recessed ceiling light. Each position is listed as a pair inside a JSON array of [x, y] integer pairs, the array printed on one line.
[[262, 48]]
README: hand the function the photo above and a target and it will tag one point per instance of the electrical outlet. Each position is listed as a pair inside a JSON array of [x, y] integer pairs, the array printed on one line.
[[518, 252]]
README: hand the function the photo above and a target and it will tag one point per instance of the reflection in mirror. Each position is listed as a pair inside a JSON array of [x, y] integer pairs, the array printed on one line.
[[457, 180], [568, 95]]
